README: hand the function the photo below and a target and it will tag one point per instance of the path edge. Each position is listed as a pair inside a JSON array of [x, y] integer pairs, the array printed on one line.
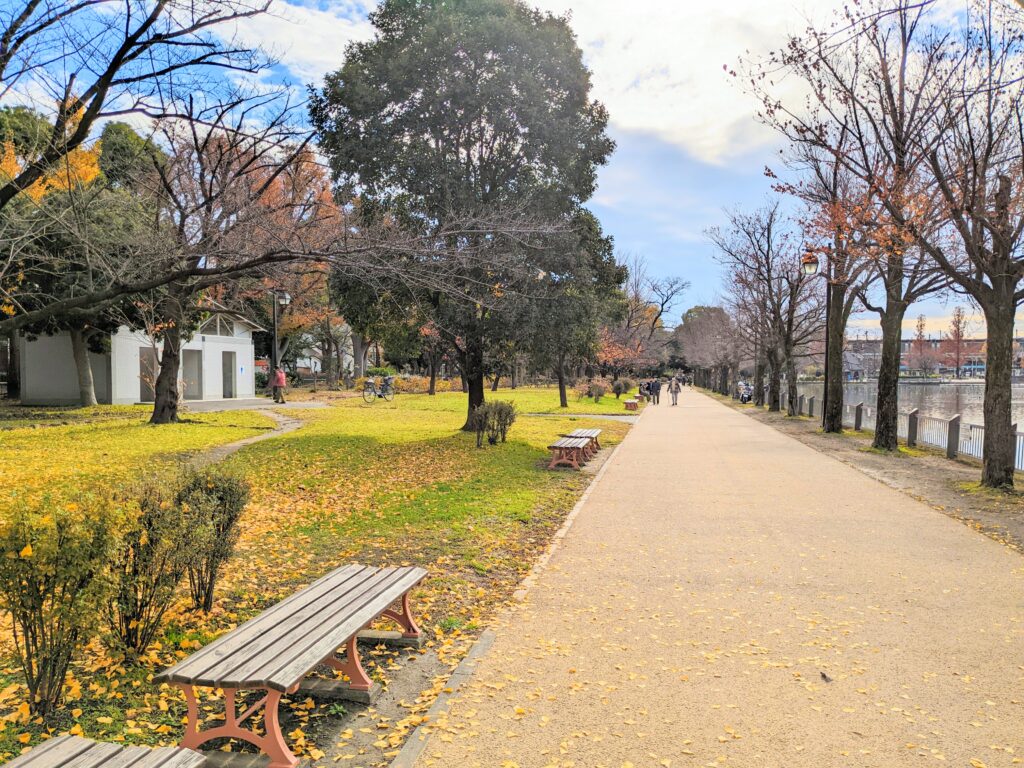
[[417, 741]]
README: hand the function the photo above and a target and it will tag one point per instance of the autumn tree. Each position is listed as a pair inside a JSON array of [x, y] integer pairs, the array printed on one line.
[[459, 109], [707, 337], [923, 357]]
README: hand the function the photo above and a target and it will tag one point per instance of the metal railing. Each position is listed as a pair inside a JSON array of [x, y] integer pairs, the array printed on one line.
[[972, 440], [933, 431]]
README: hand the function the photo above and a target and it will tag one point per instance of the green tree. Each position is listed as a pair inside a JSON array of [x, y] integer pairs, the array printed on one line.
[[463, 108]]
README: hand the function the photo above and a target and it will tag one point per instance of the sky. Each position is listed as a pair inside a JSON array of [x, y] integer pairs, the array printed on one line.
[[688, 144]]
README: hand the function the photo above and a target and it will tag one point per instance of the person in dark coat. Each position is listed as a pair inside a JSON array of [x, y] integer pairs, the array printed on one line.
[[656, 390]]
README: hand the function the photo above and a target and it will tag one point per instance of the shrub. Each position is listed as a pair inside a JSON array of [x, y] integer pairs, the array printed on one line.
[[212, 503], [262, 379], [495, 419], [150, 563], [413, 384], [380, 370], [597, 391], [54, 577], [619, 388]]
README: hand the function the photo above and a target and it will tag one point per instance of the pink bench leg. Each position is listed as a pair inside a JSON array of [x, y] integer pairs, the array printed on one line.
[[351, 667], [404, 618], [272, 744]]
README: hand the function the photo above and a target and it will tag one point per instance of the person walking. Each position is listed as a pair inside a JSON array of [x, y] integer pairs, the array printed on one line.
[[656, 390], [673, 389], [279, 381]]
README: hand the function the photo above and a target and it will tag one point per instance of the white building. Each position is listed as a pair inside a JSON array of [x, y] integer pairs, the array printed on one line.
[[216, 364]]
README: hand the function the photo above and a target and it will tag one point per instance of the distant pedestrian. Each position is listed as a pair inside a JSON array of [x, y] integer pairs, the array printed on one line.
[[673, 389], [656, 390], [645, 391], [279, 382]]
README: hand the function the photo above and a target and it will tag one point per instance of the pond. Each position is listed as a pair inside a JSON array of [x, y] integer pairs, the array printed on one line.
[[939, 399]]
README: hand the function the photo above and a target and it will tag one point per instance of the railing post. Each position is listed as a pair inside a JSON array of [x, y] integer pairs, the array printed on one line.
[[800, 405], [953, 437], [912, 428], [858, 417], [810, 406]]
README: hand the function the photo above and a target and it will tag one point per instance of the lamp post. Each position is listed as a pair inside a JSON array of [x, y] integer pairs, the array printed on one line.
[[810, 265], [282, 298]]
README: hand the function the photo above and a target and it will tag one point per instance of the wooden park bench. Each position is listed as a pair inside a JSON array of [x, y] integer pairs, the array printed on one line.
[[571, 451], [632, 404], [76, 752], [274, 651], [592, 435]]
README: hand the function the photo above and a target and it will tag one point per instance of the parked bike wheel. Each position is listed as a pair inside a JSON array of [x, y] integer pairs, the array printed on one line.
[[388, 394], [369, 394]]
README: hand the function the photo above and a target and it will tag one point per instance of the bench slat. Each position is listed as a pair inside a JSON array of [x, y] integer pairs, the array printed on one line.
[[570, 442], [295, 639], [76, 752], [278, 647], [184, 671]]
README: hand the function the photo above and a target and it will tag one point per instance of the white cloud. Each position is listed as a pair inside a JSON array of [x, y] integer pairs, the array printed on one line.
[[657, 64], [309, 41]]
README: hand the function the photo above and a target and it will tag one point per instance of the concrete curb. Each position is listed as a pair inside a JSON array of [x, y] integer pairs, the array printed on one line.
[[417, 741]]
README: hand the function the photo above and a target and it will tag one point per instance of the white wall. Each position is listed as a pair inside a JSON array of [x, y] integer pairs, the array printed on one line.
[[49, 375]]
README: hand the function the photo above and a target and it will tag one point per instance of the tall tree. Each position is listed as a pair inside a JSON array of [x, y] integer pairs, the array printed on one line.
[[464, 108], [956, 335]]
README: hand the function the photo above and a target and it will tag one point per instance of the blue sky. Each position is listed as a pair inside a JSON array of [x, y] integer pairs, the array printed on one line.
[[688, 143]]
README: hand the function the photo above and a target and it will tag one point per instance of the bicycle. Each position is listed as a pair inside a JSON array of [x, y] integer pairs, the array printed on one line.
[[386, 390]]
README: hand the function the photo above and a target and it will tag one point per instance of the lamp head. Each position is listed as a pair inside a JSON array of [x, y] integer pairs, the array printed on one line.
[[284, 298], [809, 264]]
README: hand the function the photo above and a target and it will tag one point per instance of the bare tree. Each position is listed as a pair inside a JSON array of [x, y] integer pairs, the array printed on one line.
[[762, 256], [96, 59], [955, 338]]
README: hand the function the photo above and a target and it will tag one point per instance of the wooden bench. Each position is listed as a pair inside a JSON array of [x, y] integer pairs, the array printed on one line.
[[631, 404], [592, 435], [274, 651], [76, 752], [571, 451]]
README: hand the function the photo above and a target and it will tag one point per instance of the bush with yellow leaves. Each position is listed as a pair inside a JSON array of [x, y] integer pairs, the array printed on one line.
[[54, 576]]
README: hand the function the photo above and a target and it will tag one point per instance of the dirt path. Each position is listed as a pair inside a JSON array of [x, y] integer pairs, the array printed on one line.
[[285, 424], [730, 596]]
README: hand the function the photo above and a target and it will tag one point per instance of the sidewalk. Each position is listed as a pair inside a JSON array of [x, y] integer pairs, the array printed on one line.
[[729, 596]]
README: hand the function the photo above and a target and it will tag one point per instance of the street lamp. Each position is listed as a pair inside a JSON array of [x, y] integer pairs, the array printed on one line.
[[282, 298], [810, 264]]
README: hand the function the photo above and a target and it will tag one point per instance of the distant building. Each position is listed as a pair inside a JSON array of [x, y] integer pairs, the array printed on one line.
[[216, 364]]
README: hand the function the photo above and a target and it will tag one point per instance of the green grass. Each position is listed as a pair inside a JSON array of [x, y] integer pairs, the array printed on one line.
[[102, 453], [383, 484], [14, 416]]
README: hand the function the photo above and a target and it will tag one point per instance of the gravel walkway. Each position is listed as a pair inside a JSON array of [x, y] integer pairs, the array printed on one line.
[[730, 597]]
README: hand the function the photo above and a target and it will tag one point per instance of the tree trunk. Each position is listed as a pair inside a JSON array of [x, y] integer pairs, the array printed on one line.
[[1000, 440], [494, 384], [13, 367], [80, 351], [759, 383], [515, 375], [359, 351], [432, 387], [563, 398], [833, 413], [774, 385], [887, 403], [165, 404], [473, 373], [791, 393]]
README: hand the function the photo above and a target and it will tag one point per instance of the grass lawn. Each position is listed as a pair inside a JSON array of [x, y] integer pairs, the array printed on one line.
[[381, 484], [528, 400], [100, 448]]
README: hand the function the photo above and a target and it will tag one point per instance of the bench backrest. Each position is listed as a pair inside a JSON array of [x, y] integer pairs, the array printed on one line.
[[280, 646]]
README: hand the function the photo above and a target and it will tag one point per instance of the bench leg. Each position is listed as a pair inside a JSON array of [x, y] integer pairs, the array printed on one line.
[[351, 667], [272, 743], [404, 618]]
